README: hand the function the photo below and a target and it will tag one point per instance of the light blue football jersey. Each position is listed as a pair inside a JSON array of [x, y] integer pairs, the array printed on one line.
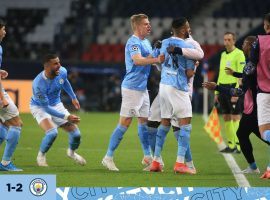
[[136, 76], [46, 92], [174, 67]]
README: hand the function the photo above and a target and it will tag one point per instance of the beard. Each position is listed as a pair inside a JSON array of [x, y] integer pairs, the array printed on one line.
[[186, 35]]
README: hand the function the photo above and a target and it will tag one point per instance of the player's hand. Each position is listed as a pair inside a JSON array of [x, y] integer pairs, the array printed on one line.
[[161, 58], [74, 119], [76, 104], [158, 44], [209, 85], [229, 71], [3, 73]]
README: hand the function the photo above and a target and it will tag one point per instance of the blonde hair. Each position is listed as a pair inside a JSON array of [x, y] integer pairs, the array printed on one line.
[[136, 20]]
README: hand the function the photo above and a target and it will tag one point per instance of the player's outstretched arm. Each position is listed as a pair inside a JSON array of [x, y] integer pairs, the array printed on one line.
[[76, 103], [68, 89], [195, 53], [139, 60]]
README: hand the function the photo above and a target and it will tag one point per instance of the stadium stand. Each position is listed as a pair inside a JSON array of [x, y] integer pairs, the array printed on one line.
[[94, 32]]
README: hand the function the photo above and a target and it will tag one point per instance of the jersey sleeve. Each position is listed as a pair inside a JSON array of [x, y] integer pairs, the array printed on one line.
[[190, 64], [134, 48], [67, 86], [195, 53], [241, 61], [155, 52], [48, 109], [163, 48], [68, 89]]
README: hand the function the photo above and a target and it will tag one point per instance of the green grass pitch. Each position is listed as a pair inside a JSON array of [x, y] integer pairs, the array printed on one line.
[[96, 129]]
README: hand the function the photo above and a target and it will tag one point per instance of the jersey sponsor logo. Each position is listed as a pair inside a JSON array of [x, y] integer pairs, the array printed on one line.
[[132, 112], [134, 48], [228, 64], [61, 81]]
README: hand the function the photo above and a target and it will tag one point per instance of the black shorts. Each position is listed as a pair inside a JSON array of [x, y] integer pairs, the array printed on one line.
[[226, 106]]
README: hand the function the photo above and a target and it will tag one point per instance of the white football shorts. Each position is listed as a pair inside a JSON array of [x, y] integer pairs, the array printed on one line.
[[263, 106], [134, 103], [39, 114], [174, 103], [10, 111]]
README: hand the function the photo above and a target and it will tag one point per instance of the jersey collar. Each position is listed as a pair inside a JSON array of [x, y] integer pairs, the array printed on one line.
[[177, 38], [44, 76]]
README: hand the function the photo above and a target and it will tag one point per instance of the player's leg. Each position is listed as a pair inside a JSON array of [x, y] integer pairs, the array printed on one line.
[[143, 113], [163, 130], [263, 107], [184, 150], [74, 134], [152, 133], [44, 120], [243, 134], [188, 155], [115, 139], [226, 108], [3, 133], [236, 119], [51, 132], [74, 142], [154, 122], [11, 119], [183, 111], [129, 109]]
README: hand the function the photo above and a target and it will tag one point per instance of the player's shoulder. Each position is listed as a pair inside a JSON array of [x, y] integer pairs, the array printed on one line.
[[239, 51], [63, 70], [166, 41], [39, 80], [133, 40], [223, 53]]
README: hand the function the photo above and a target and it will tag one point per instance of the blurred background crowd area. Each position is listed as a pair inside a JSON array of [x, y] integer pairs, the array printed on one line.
[[90, 36]]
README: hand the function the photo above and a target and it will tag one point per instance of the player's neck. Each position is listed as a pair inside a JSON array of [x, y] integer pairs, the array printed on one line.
[[48, 75], [179, 36], [139, 35], [230, 49]]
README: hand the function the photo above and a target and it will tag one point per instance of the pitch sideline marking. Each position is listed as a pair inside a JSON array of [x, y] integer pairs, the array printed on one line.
[[240, 178]]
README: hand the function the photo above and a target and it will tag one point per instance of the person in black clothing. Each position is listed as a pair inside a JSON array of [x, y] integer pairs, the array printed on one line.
[[249, 90]]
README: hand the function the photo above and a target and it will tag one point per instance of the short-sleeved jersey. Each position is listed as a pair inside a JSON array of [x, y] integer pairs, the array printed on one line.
[[235, 60], [47, 91], [136, 76], [174, 67], [1, 56]]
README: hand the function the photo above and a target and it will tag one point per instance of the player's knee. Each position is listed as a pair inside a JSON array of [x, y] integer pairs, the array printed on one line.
[[185, 130], [153, 124], [266, 135], [52, 134], [76, 134]]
